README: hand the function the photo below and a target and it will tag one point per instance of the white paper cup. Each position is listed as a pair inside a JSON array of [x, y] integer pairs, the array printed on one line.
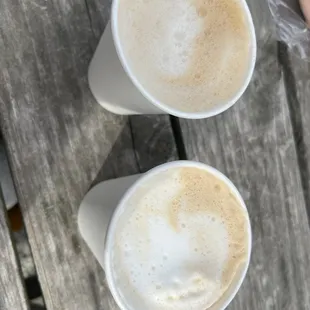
[[103, 205], [118, 90]]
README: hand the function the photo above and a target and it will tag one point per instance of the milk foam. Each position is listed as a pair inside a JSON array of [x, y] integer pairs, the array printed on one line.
[[188, 54], [180, 242]]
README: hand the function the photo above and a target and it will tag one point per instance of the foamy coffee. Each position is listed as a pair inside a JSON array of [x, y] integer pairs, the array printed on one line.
[[180, 242], [191, 55]]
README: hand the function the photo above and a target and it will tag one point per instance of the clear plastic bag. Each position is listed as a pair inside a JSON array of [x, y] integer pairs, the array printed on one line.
[[291, 26]]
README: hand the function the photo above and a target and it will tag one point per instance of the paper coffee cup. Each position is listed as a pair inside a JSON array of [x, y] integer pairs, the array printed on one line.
[[102, 207], [119, 90]]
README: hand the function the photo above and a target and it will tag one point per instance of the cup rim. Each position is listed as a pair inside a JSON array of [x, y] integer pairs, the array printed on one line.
[[118, 210], [168, 109]]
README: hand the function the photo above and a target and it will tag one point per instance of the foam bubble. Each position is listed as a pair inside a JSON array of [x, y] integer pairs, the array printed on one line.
[[188, 54], [189, 243]]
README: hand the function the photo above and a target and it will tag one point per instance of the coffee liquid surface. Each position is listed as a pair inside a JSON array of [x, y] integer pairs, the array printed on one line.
[[191, 55], [180, 242]]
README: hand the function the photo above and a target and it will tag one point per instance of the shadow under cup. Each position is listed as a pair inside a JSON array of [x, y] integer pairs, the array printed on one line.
[[212, 110], [120, 211]]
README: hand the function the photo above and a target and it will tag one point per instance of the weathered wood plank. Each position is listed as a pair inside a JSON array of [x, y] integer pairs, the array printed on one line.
[[153, 140], [60, 141], [58, 138], [253, 144], [12, 291], [297, 78]]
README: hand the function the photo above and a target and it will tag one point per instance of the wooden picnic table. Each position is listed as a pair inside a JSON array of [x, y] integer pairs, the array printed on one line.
[[60, 143]]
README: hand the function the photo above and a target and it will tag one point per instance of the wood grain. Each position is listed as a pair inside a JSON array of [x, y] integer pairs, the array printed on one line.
[[153, 140], [60, 141], [297, 79], [253, 144], [12, 291]]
